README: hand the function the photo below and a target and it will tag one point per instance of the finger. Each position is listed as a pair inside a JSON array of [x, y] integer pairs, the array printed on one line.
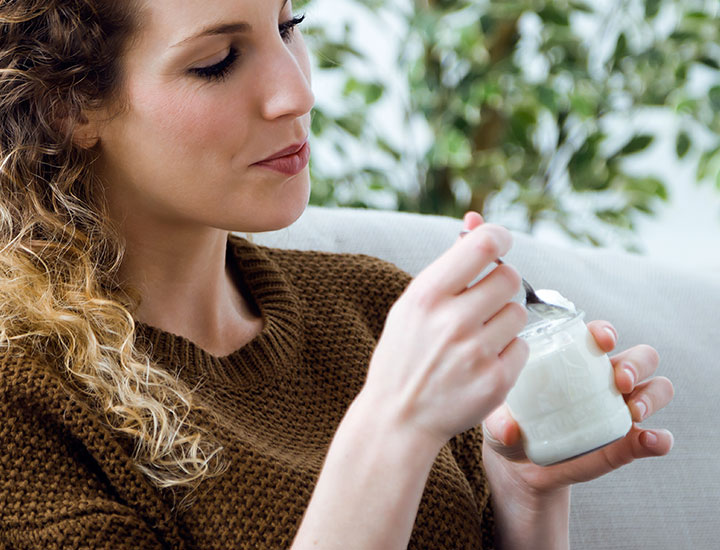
[[605, 335], [657, 442], [634, 365], [503, 327], [471, 220], [487, 297], [517, 351], [649, 397], [501, 429], [511, 360], [458, 266], [506, 367], [637, 444]]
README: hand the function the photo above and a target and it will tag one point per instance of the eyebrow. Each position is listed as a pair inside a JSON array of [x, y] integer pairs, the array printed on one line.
[[225, 28]]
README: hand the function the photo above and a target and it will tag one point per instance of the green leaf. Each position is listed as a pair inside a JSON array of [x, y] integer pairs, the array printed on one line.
[[682, 145], [353, 124], [652, 8], [636, 144], [646, 187], [714, 96], [709, 62], [384, 145], [581, 6], [547, 97], [621, 48], [319, 122], [553, 14], [352, 85], [373, 92], [684, 36], [705, 162], [618, 218]]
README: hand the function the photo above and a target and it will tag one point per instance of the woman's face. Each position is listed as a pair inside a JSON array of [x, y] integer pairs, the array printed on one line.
[[213, 89]]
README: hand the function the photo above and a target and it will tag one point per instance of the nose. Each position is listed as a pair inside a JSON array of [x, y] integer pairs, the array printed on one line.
[[285, 83]]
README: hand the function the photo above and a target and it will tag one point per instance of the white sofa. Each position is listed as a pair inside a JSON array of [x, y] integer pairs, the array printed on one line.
[[671, 502]]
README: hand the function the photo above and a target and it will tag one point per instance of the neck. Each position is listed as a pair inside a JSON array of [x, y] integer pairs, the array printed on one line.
[[188, 289]]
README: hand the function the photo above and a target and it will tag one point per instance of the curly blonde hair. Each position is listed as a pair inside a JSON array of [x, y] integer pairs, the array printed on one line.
[[59, 253]]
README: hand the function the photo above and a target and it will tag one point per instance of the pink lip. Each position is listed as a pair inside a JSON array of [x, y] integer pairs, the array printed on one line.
[[289, 161]]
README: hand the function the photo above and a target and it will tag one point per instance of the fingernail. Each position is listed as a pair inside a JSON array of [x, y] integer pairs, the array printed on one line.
[[631, 373], [641, 409], [611, 332], [650, 439]]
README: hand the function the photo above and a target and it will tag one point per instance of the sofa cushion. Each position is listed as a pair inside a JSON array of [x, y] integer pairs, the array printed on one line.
[[670, 502]]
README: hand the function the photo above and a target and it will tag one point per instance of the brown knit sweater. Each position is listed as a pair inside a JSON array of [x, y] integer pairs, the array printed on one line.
[[68, 481]]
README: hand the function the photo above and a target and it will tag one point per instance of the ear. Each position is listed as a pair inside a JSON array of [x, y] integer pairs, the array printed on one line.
[[85, 132]]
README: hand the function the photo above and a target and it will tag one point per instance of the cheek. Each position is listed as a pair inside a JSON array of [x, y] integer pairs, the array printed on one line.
[[190, 122]]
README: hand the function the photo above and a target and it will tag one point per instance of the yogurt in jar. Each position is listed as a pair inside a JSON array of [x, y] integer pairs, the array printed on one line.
[[565, 399]]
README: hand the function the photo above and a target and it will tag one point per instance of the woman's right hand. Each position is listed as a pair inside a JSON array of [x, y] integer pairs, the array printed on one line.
[[449, 354], [446, 358]]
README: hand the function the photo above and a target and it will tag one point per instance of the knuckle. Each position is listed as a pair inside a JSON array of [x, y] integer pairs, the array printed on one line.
[[508, 373], [651, 353], [502, 234], [514, 362], [667, 387], [482, 351], [423, 294], [499, 379], [519, 313], [487, 245], [511, 277], [451, 330]]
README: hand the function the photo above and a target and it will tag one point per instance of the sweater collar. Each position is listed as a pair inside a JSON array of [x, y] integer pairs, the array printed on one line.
[[268, 355]]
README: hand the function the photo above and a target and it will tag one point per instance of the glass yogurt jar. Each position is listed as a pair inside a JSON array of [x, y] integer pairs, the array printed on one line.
[[565, 399]]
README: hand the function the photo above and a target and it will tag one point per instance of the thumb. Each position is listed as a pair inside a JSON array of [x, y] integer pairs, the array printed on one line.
[[502, 434]]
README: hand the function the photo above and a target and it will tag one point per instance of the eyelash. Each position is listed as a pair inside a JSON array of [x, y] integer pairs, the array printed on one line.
[[221, 70]]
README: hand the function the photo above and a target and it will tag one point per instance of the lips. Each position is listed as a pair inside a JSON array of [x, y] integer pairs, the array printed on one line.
[[293, 149], [290, 161]]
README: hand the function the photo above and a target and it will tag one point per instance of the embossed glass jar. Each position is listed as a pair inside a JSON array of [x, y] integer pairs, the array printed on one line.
[[565, 399]]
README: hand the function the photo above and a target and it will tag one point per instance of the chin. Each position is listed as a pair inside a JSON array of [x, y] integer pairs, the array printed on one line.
[[280, 215]]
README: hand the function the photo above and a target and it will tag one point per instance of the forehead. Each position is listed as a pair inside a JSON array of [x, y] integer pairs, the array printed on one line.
[[166, 23]]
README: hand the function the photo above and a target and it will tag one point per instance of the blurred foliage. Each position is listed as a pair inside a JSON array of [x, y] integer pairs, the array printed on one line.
[[517, 95]]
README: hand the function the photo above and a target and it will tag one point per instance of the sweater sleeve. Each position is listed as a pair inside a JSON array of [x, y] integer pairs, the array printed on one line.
[[385, 283], [52, 493]]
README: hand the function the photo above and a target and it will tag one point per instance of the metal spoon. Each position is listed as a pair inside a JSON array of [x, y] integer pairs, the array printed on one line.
[[532, 302]]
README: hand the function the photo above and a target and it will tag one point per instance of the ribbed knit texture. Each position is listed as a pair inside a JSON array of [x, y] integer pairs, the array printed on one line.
[[68, 481]]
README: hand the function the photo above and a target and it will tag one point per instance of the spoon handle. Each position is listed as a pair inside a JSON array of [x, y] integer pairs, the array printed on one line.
[[530, 296]]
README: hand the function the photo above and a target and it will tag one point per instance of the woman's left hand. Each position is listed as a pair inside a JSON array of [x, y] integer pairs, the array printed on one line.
[[507, 467]]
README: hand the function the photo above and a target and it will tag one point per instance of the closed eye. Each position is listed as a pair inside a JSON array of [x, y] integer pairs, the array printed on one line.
[[287, 28], [221, 70]]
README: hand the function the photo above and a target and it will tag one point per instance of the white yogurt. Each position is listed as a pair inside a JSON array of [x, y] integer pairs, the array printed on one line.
[[555, 298], [565, 399]]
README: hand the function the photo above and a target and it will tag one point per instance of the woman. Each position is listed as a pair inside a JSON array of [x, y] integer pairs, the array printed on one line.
[[167, 385]]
